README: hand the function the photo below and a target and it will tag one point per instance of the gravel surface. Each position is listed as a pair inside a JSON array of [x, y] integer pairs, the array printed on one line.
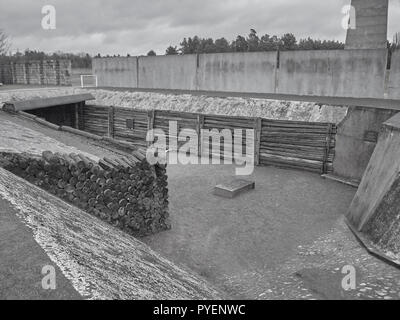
[[273, 109]]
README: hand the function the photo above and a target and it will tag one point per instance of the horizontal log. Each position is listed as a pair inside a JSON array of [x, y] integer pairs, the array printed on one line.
[[47, 123], [81, 133], [27, 115]]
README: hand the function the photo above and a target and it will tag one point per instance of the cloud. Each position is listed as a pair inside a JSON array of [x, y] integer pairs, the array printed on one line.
[[136, 26]]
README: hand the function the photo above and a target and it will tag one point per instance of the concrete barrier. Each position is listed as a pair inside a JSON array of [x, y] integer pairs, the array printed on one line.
[[168, 72], [356, 140], [116, 72], [394, 78], [374, 212], [238, 72], [335, 73]]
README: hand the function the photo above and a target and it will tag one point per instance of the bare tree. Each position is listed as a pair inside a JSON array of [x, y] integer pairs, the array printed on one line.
[[4, 42]]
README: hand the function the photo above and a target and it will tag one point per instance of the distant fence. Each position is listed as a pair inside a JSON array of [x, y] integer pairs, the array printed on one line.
[[289, 144], [43, 72], [336, 73]]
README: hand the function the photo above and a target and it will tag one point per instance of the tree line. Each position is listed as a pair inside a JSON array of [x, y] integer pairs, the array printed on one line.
[[251, 43], [80, 60]]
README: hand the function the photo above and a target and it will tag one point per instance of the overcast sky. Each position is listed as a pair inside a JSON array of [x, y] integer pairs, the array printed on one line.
[[137, 26]]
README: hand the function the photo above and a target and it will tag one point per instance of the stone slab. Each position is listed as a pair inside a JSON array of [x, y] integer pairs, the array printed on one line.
[[234, 188]]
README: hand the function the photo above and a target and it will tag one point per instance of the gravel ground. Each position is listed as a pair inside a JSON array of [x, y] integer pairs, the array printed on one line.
[[284, 240]]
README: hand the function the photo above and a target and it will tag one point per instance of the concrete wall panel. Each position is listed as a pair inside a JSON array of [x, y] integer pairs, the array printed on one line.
[[354, 146], [116, 72], [168, 72], [382, 170], [337, 73], [238, 72], [394, 78]]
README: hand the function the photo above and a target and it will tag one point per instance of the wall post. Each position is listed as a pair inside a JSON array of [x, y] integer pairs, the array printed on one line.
[[200, 126], [257, 140], [111, 111]]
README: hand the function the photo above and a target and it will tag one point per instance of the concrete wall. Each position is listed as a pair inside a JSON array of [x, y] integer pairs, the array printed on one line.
[[371, 22], [238, 72], [394, 78], [343, 73], [336, 73], [168, 72], [354, 140], [116, 72]]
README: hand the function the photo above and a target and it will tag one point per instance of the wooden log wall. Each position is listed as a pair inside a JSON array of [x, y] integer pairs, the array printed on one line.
[[298, 145], [36, 72], [126, 192], [137, 134], [95, 119], [225, 122], [290, 144], [162, 119]]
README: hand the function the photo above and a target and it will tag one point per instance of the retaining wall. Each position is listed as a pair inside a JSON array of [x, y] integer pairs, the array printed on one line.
[[374, 211], [356, 139], [290, 144]]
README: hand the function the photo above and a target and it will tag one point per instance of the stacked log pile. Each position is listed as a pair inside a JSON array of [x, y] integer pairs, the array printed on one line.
[[126, 192]]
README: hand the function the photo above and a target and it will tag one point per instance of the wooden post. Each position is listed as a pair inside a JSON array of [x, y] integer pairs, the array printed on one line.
[[77, 116], [200, 126], [257, 140], [327, 149], [111, 112], [150, 122]]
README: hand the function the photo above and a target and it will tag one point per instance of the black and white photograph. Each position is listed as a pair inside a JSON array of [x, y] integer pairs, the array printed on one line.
[[200, 157]]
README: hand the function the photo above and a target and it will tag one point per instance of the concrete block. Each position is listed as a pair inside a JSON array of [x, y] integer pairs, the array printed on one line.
[[234, 188]]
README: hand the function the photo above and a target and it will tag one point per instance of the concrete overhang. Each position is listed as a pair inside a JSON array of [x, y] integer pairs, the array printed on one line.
[[24, 105]]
